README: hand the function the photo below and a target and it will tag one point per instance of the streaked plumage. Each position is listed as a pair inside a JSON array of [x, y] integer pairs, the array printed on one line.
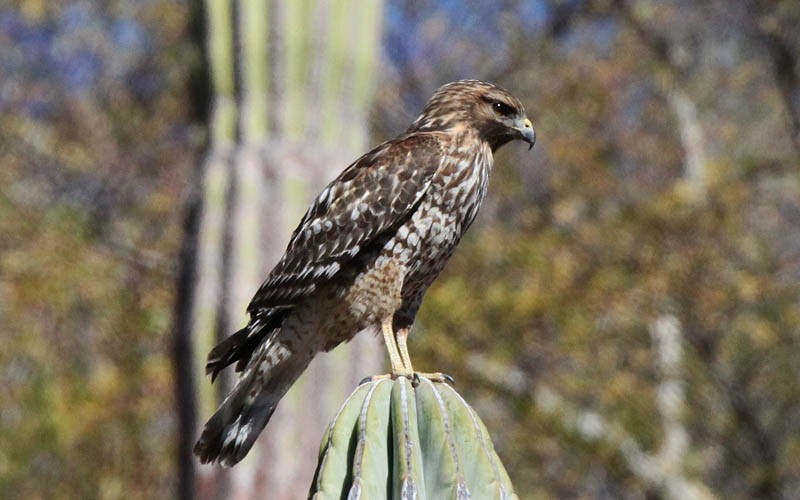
[[364, 254]]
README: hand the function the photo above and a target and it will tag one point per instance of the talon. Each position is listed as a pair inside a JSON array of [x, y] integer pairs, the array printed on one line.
[[390, 376], [415, 378], [442, 378], [375, 378], [367, 380]]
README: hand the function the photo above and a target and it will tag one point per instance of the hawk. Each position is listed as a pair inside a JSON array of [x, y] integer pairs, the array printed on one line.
[[364, 255]]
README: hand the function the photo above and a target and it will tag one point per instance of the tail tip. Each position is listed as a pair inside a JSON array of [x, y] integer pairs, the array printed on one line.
[[226, 445]]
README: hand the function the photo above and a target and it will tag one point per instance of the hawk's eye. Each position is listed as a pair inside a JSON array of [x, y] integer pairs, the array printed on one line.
[[503, 108]]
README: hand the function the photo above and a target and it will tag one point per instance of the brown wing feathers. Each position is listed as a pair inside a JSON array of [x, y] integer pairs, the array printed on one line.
[[239, 347], [369, 197], [373, 195]]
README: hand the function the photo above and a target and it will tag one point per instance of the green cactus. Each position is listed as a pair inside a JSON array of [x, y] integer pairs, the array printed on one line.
[[391, 439]]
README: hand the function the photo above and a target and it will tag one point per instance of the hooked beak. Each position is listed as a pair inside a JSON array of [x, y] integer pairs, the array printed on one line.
[[525, 129]]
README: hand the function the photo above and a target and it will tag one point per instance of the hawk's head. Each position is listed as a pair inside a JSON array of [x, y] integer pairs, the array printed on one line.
[[496, 115]]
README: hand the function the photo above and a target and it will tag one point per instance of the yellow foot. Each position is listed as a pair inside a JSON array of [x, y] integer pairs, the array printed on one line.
[[388, 376], [442, 378], [413, 377], [375, 378]]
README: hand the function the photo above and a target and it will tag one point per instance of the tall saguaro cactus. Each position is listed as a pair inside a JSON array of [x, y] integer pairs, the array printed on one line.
[[291, 85]]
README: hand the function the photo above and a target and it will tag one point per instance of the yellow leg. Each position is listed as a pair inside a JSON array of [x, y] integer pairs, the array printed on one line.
[[400, 360], [402, 337], [398, 367]]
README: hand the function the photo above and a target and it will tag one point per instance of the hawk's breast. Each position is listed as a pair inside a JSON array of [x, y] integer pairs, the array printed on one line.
[[396, 276], [426, 241]]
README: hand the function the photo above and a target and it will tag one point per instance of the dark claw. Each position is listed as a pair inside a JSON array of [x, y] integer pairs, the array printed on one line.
[[374, 378], [435, 377]]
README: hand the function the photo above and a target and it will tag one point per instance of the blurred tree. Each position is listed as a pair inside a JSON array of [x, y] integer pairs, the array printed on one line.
[[291, 85], [643, 109], [545, 315], [95, 142]]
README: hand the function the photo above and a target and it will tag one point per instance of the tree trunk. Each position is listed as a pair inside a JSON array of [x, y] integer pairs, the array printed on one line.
[[291, 86]]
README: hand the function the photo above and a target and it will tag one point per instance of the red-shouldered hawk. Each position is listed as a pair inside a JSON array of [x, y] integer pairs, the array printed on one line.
[[364, 254]]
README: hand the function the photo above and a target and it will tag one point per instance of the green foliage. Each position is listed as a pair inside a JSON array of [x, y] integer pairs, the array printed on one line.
[[587, 239], [90, 209], [393, 440]]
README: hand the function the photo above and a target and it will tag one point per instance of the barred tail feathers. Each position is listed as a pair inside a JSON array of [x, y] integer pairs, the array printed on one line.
[[239, 347], [231, 431]]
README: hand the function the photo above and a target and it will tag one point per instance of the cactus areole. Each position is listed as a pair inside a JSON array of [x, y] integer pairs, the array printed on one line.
[[392, 439]]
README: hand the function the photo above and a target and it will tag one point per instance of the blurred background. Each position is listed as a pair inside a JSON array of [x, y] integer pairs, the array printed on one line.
[[624, 314]]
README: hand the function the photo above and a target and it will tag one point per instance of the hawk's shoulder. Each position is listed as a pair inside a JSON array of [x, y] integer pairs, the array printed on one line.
[[370, 197]]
